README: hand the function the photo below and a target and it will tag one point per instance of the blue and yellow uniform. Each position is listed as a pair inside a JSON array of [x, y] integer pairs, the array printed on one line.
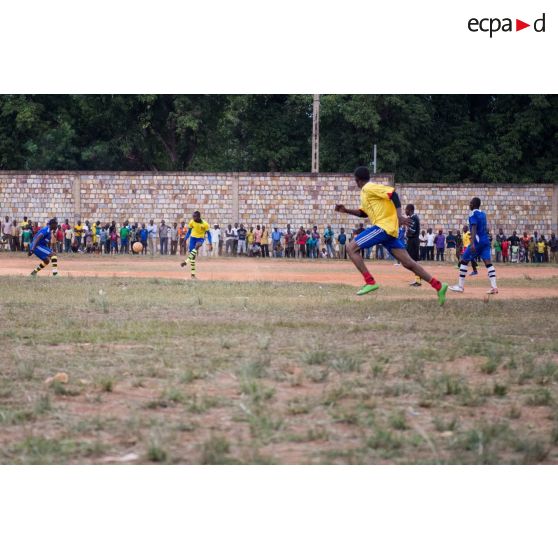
[[42, 249], [481, 241], [375, 201], [197, 233]]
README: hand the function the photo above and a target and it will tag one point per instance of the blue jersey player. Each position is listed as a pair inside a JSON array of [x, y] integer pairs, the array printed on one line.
[[40, 247], [479, 248]]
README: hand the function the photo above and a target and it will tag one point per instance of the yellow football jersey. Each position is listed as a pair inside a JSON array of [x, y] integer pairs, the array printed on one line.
[[198, 229], [375, 201], [466, 239]]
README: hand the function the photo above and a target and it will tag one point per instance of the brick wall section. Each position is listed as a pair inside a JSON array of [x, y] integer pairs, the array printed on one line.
[[140, 197], [260, 198], [36, 195]]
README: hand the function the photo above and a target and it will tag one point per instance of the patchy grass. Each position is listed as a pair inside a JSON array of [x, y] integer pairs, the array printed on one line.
[[272, 373]]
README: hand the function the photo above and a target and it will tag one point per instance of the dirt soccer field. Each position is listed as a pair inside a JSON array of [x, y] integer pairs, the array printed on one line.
[[274, 362]]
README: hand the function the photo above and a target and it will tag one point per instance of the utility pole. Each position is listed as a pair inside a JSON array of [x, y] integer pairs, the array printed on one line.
[[373, 161], [316, 134]]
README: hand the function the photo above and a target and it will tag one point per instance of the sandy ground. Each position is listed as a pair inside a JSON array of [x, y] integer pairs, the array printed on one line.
[[256, 269]]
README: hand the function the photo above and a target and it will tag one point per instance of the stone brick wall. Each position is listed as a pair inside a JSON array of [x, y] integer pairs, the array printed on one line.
[[36, 195], [254, 198]]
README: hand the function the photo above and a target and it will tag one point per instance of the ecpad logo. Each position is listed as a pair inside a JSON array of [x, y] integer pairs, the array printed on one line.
[[492, 25]]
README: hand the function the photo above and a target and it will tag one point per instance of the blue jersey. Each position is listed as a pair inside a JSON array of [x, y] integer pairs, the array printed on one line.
[[402, 234], [45, 241], [478, 218]]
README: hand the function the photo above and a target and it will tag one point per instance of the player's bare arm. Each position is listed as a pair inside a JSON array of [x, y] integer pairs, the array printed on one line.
[[355, 212]]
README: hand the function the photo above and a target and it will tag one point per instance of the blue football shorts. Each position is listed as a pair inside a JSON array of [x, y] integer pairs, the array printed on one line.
[[482, 251], [42, 252], [376, 235]]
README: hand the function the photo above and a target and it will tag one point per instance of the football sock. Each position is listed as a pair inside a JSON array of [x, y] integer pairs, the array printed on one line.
[[435, 283], [368, 278], [54, 260], [192, 259], [462, 274], [39, 267], [492, 276]]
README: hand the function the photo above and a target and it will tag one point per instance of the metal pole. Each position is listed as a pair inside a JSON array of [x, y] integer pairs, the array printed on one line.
[[374, 160], [316, 134]]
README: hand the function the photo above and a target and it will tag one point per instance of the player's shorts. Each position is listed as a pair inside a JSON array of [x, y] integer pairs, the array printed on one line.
[[376, 235], [193, 241], [42, 252], [482, 251]]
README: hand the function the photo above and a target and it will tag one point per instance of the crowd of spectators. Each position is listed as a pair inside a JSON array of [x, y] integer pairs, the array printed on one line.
[[260, 241]]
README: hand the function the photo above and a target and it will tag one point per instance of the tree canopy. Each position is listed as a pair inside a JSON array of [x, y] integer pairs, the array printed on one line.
[[421, 138]]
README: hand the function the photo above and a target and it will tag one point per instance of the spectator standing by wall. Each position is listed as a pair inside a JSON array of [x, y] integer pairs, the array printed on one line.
[[310, 243], [16, 236], [342, 243], [78, 234], [152, 237], [27, 237], [276, 241], [440, 243], [514, 239], [182, 230], [59, 239], [430, 238], [532, 249], [451, 246], [124, 234], [289, 243], [216, 241], [68, 234], [328, 241], [235, 239], [265, 242], [241, 233], [143, 238], [258, 239], [541, 244], [316, 237], [506, 251], [497, 245], [164, 238], [250, 239], [423, 241], [229, 241], [7, 233], [300, 243], [173, 235], [113, 238]]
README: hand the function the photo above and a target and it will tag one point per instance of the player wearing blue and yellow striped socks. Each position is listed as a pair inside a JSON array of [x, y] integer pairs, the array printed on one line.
[[197, 231]]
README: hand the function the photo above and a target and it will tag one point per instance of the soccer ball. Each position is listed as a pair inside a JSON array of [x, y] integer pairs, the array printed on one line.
[[137, 247]]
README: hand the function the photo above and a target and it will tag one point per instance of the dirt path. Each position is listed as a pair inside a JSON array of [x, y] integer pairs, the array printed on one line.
[[248, 269]]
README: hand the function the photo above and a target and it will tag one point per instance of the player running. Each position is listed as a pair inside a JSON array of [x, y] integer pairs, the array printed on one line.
[[197, 231], [381, 205], [40, 246], [479, 247]]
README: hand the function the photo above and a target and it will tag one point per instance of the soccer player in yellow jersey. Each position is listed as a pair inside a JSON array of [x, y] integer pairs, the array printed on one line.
[[466, 241], [380, 203], [198, 229]]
